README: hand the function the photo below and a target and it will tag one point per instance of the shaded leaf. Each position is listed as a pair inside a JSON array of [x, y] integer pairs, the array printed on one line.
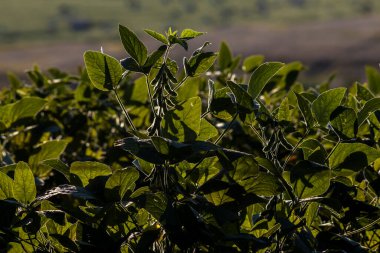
[[58, 165], [200, 63], [344, 122], [313, 150], [308, 179], [221, 105], [243, 99], [353, 156], [305, 108]]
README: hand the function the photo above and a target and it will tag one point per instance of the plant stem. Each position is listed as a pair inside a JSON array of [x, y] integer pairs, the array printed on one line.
[[180, 83], [225, 130], [258, 135], [363, 228], [205, 114], [332, 151], [125, 111], [295, 148]]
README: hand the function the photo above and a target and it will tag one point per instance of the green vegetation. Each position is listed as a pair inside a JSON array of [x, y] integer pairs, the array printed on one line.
[[57, 20], [145, 155]]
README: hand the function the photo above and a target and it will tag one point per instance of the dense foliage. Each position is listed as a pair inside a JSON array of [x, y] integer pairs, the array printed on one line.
[[139, 156]]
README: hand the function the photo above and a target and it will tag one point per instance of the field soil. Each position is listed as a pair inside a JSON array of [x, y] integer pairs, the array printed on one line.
[[343, 47]]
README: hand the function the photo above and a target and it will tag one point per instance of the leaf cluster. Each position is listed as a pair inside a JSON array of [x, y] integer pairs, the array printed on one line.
[[144, 154]]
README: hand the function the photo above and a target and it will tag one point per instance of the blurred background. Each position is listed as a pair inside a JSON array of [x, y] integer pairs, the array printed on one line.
[[340, 36]]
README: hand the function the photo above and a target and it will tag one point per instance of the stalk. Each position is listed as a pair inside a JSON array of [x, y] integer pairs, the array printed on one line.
[[125, 111]]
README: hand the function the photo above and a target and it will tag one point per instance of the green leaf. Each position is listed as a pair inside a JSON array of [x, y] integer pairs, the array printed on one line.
[[134, 47], [155, 204], [283, 113], [252, 62], [175, 40], [326, 103], [352, 156], [207, 131], [311, 213], [289, 74], [313, 150], [344, 122], [154, 57], [246, 173], [183, 124], [189, 89], [58, 165], [120, 182], [243, 99], [200, 63], [225, 56], [46, 151], [190, 34], [87, 171], [373, 77], [363, 93], [6, 186], [308, 179], [261, 76], [103, 70], [369, 107], [130, 64], [27, 107], [161, 145], [157, 36], [24, 185], [221, 105], [305, 108]]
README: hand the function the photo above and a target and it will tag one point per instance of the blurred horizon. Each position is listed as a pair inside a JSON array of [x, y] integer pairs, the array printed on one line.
[[340, 37]]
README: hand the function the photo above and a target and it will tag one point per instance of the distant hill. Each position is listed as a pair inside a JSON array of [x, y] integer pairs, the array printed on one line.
[[25, 20]]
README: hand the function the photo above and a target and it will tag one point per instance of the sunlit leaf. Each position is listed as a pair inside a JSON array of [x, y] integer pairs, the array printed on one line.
[[104, 71], [6, 186], [261, 76], [134, 47], [183, 124], [24, 185], [87, 171], [120, 182], [326, 103]]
